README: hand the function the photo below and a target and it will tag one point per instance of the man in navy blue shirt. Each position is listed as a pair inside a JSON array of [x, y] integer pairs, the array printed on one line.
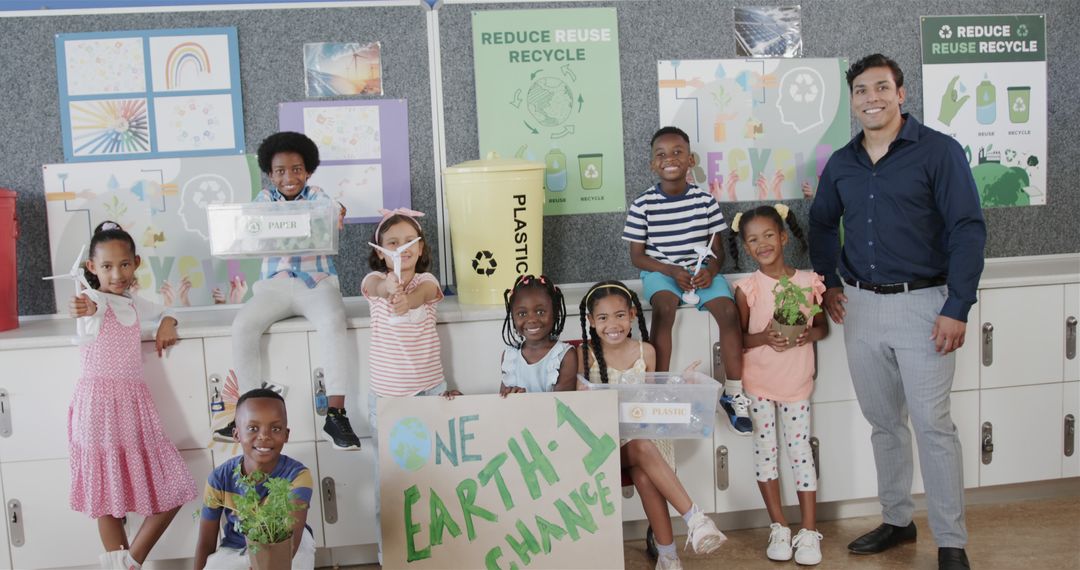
[[902, 286]]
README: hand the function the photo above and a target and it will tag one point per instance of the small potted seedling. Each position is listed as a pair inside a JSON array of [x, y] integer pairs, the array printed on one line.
[[788, 316], [266, 523]]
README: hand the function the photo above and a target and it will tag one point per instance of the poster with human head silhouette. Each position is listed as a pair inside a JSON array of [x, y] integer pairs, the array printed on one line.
[[760, 129]]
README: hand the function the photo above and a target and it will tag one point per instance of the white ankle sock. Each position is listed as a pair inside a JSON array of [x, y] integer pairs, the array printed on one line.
[[694, 509], [667, 550], [732, 387]]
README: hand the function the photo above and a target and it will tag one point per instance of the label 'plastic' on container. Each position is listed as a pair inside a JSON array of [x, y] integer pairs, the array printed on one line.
[[642, 413]]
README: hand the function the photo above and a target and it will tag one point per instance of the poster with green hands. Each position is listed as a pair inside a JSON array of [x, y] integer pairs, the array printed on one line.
[[984, 84], [548, 90]]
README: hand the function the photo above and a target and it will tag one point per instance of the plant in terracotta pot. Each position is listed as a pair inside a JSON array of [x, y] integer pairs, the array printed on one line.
[[266, 523], [789, 319]]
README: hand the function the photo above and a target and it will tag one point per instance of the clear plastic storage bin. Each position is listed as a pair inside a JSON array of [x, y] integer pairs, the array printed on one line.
[[665, 405], [259, 229]]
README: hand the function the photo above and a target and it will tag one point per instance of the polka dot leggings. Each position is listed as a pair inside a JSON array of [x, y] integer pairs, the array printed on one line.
[[794, 417]]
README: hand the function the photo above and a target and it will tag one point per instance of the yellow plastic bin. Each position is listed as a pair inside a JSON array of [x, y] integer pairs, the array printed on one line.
[[496, 208]]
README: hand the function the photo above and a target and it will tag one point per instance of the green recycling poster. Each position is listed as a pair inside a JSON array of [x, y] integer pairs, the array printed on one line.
[[548, 90], [984, 84]]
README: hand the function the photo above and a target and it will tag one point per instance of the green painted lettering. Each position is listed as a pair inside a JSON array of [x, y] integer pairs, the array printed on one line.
[[528, 545], [491, 560], [540, 463], [412, 496], [589, 498], [440, 520], [599, 447], [547, 531], [440, 447], [572, 520], [465, 437], [606, 506], [492, 470], [466, 494]]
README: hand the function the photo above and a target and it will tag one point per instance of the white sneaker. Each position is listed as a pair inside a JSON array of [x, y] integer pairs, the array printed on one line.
[[779, 542], [702, 534], [807, 547], [666, 563]]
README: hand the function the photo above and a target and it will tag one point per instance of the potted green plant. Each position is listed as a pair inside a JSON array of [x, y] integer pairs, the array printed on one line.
[[788, 316], [266, 523]]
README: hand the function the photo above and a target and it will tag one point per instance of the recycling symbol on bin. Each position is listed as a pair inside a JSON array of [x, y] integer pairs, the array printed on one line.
[[592, 172], [484, 263]]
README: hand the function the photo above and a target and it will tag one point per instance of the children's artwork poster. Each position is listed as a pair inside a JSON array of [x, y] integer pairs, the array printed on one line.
[[531, 480], [984, 84], [759, 128], [363, 152], [548, 90], [768, 31], [149, 94], [162, 204], [334, 69]]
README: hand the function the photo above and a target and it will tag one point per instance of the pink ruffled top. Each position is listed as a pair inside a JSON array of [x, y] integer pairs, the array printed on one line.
[[786, 376]]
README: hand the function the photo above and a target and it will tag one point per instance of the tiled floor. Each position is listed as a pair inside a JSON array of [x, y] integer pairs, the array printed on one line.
[[1024, 535]]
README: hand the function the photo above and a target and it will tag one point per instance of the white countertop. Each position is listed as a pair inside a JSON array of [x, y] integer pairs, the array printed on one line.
[[206, 322]]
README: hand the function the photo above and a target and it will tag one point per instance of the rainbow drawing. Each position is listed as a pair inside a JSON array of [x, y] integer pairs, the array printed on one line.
[[183, 56]]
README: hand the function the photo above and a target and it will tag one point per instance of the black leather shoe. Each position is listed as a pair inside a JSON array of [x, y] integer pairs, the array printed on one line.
[[952, 559], [882, 538]]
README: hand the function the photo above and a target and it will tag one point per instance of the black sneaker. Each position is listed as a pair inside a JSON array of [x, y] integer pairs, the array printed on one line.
[[338, 431], [225, 434]]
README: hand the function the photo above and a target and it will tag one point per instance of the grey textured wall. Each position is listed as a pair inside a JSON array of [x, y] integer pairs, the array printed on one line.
[[577, 248], [271, 72]]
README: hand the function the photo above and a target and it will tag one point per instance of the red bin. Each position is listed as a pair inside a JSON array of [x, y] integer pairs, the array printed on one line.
[[9, 282]]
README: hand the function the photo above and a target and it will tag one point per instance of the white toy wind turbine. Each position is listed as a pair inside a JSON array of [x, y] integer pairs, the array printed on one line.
[[395, 258], [704, 252], [76, 276]]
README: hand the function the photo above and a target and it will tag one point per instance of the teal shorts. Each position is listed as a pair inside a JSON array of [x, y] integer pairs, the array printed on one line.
[[654, 282]]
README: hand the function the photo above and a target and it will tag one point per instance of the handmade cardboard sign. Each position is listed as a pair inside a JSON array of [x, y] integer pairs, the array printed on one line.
[[490, 482]]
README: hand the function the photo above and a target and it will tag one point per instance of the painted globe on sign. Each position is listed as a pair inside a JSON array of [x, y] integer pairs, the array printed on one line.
[[550, 101], [410, 444]]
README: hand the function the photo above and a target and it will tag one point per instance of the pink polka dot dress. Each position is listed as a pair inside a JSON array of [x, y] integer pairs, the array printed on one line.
[[121, 459]]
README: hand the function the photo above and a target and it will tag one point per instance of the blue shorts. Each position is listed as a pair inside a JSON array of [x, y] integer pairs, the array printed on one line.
[[654, 282]]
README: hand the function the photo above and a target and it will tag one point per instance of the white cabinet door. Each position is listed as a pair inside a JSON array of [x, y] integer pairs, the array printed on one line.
[[357, 383], [55, 536], [39, 384], [1027, 337], [846, 457], [1072, 311], [180, 538], [284, 362], [470, 355], [179, 391], [304, 452], [1027, 433], [833, 380], [353, 474], [1070, 465], [966, 375], [5, 539], [742, 492]]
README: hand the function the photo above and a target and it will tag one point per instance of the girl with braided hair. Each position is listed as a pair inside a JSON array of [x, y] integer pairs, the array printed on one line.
[[536, 361], [609, 355]]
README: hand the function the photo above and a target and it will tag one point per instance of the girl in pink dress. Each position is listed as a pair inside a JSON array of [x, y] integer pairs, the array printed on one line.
[[121, 459]]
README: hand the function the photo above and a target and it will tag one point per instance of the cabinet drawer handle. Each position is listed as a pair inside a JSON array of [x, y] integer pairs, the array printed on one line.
[[718, 363], [815, 453], [1070, 338], [15, 522], [1070, 435], [987, 443], [329, 500], [987, 344], [722, 467], [5, 414]]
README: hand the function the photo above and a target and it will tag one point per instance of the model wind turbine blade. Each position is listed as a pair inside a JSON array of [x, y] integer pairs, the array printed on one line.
[[79, 280], [395, 255]]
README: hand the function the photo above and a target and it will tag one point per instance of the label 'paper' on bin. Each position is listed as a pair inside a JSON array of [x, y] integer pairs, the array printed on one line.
[[295, 225]]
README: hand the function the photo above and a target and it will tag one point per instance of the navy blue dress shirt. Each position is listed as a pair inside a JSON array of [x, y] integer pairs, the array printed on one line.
[[913, 215]]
